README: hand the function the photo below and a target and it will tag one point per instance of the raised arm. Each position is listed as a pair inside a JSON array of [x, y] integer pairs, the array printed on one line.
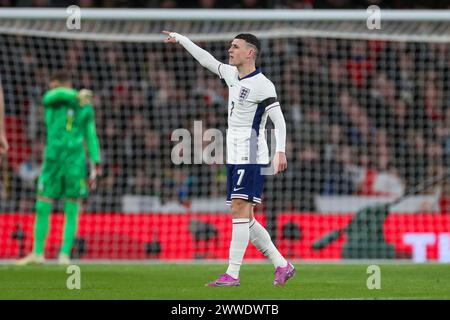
[[60, 95], [201, 55]]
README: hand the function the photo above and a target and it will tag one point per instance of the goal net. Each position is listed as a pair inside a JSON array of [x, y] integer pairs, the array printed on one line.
[[367, 115]]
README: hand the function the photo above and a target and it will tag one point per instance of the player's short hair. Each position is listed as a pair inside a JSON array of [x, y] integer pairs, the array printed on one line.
[[251, 39], [60, 76]]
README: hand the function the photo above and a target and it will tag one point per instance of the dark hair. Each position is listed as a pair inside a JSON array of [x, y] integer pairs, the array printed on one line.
[[61, 76], [250, 38]]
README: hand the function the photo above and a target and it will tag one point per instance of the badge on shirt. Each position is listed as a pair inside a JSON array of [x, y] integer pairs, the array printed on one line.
[[243, 94]]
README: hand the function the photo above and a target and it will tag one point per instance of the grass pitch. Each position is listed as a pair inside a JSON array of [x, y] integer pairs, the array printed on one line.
[[186, 282]]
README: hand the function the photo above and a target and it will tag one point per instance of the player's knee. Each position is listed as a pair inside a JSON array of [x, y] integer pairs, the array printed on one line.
[[44, 199], [240, 209], [73, 200]]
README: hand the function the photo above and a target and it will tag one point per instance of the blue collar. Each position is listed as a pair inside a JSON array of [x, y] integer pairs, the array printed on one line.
[[254, 73]]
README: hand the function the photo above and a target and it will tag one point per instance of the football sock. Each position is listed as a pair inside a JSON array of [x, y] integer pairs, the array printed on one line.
[[262, 241], [239, 242], [70, 226], [43, 210]]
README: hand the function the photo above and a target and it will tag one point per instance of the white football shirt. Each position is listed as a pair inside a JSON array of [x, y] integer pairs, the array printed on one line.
[[249, 99]]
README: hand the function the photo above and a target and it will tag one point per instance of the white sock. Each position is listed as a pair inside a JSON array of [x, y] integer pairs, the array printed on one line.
[[238, 245], [262, 241]]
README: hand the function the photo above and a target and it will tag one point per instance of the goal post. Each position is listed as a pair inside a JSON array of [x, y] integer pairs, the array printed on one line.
[[366, 111]]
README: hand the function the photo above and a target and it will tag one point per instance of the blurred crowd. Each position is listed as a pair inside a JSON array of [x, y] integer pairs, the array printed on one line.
[[363, 117], [233, 4]]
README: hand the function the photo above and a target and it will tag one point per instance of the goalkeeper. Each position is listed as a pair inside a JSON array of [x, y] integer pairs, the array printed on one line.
[[70, 124]]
